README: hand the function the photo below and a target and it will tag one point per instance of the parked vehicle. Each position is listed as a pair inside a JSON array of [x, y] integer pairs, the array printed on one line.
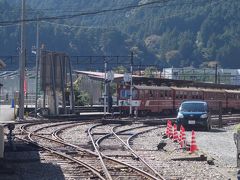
[[194, 114]]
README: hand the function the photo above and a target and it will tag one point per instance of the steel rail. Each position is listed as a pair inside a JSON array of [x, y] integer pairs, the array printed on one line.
[[143, 173], [58, 139], [95, 171], [129, 139], [135, 154], [107, 174], [110, 134]]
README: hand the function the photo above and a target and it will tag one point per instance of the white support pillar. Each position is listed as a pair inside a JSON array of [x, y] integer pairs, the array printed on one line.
[[51, 103]]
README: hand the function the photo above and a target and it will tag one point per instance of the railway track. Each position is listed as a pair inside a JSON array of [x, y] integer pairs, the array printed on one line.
[[110, 168], [100, 151], [63, 152]]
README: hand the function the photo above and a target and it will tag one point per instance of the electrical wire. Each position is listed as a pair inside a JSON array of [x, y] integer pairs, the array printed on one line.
[[70, 16]]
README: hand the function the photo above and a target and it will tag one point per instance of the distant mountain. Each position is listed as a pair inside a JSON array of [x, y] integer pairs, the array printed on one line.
[[168, 33]]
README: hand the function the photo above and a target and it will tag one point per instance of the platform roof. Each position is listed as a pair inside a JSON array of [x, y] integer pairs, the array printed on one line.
[[150, 81]]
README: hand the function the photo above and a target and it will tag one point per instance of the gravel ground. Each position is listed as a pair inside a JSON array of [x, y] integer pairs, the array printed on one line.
[[217, 143], [175, 169]]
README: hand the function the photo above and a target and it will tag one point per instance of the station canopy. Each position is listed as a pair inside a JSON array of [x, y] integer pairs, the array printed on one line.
[[151, 81]]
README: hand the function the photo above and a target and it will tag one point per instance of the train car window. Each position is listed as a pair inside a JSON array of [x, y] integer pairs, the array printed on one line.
[[170, 94], [185, 95], [141, 93], [127, 93], [154, 93], [192, 95], [165, 93], [161, 93], [135, 94], [211, 96], [181, 95], [198, 95], [177, 95], [122, 93], [150, 93]]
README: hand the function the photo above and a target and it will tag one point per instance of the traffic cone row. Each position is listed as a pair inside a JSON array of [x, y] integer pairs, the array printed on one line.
[[167, 129], [175, 133], [181, 139], [193, 146], [170, 135], [180, 135]]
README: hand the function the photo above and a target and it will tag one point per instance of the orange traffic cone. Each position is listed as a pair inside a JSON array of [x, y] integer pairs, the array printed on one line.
[[175, 133], [170, 134], [167, 129], [183, 140], [180, 135], [193, 146]]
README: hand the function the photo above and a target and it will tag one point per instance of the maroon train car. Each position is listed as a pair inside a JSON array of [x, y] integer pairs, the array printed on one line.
[[166, 100]]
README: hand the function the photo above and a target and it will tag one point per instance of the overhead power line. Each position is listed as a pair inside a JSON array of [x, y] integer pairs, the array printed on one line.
[[44, 19], [84, 13], [172, 15]]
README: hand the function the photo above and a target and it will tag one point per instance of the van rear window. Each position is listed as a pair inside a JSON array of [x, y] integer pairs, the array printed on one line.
[[193, 107]]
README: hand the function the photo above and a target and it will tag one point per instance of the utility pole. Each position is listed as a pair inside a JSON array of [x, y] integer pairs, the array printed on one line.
[[105, 86], [22, 63], [37, 66], [216, 74], [131, 84]]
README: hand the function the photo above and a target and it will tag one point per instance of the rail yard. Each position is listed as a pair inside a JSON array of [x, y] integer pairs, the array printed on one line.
[[119, 90], [116, 149]]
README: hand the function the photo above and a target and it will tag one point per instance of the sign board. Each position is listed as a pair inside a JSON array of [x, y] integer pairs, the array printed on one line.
[[53, 67], [110, 75], [135, 103], [127, 77]]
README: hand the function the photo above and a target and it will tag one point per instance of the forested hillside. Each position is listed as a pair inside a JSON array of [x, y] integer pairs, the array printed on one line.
[[168, 33]]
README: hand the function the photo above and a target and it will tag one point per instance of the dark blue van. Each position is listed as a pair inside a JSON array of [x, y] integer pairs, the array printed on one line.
[[194, 114]]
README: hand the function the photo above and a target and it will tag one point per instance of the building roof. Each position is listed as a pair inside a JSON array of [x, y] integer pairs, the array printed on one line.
[[152, 87], [101, 75]]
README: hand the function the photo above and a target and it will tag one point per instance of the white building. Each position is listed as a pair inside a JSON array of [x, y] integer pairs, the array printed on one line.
[[223, 76]]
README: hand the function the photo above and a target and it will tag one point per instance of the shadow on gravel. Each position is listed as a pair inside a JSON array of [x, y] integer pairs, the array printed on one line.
[[22, 161], [213, 130]]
